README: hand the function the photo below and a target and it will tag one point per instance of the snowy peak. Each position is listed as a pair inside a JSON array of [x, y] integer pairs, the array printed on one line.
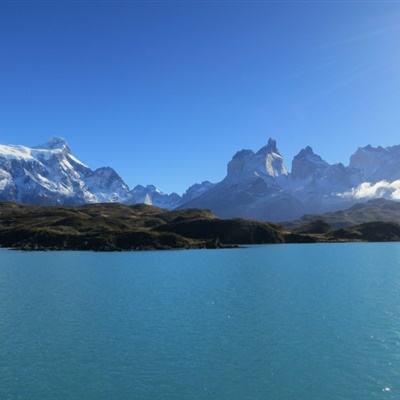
[[107, 186], [267, 163], [274, 160], [257, 184], [150, 195], [50, 174]]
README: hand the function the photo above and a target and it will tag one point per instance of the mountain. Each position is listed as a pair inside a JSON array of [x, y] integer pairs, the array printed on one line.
[[267, 164], [310, 170], [308, 166], [257, 184], [377, 163], [150, 195], [319, 185], [252, 188], [196, 190], [51, 174]]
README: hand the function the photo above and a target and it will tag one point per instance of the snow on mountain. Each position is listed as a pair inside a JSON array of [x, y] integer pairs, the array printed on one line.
[[107, 186], [257, 184], [196, 190], [252, 188], [150, 195], [50, 174], [272, 159], [377, 163], [267, 164], [313, 180]]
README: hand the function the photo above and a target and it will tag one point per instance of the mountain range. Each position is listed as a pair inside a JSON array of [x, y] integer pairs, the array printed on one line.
[[257, 185]]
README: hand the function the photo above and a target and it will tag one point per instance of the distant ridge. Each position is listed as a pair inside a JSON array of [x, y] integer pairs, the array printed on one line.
[[381, 210]]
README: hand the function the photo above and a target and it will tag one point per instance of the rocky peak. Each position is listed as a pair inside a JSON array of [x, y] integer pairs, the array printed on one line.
[[306, 164], [266, 163], [273, 161], [109, 175], [239, 161], [271, 147], [151, 195], [307, 151], [377, 163], [197, 190]]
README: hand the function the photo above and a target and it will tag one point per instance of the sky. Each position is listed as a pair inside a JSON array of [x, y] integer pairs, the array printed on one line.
[[166, 92]]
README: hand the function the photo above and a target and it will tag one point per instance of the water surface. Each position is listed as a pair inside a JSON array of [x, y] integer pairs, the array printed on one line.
[[271, 322]]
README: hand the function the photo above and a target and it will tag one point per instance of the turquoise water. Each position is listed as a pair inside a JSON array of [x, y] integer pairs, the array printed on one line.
[[270, 322]]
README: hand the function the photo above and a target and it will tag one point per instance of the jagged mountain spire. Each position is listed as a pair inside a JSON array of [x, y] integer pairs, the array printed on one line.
[[266, 163], [271, 146]]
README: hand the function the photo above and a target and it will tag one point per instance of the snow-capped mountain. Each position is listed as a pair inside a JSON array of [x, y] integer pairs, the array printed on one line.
[[252, 188], [257, 184], [107, 186], [196, 190], [150, 195], [308, 166], [377, 163], [267, 164], [51, 174]]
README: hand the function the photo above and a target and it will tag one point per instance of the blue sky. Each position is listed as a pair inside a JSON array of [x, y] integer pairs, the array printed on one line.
[[167, 92]]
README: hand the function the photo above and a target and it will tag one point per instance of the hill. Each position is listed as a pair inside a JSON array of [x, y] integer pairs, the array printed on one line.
[[111, 227], [118, 227], [374, 210]]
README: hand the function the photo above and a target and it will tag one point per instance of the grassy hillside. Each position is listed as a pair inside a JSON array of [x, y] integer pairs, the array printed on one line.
[[116, 227], [119, 227], [374, 210]]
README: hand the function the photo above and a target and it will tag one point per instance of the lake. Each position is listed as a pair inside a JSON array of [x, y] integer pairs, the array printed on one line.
[[318, 321]]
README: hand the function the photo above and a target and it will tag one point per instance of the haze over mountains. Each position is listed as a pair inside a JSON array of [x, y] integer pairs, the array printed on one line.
[[257, 185]]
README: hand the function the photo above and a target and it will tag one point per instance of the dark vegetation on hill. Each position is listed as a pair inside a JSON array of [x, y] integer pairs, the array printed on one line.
[[373, 221], [116, 227], [371, 211], [111, 227]]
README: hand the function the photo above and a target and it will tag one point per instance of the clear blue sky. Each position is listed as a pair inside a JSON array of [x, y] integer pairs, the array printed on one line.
[[166, 92]]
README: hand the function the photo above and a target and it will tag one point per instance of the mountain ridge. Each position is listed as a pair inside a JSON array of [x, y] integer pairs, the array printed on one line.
[[257, 185]]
